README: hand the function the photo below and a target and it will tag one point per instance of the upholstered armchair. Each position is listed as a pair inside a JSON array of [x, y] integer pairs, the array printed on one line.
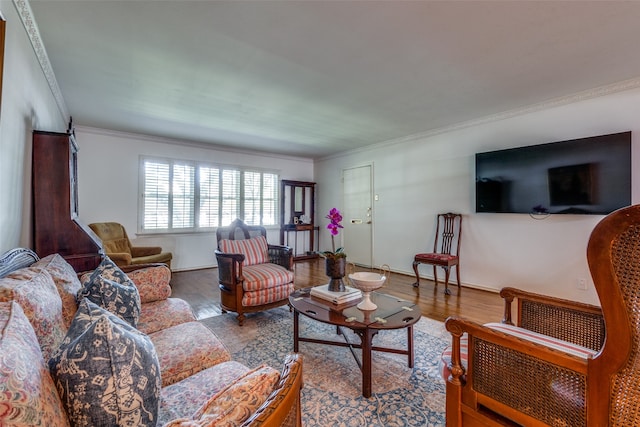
[[117, 246], [557, 362], [253, 275]]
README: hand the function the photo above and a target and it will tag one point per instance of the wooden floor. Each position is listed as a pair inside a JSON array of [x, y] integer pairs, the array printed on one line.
[[200, 289]]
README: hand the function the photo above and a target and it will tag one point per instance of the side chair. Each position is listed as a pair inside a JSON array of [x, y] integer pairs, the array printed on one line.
[[446, 250], [562, 363], [253, 275]]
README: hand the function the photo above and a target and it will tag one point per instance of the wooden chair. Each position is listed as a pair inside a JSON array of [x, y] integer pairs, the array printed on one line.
[[253, 275], [446, 249], [580, 373]]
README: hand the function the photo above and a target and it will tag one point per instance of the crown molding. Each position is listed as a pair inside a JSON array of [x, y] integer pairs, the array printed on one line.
[[622, 86], [26, 15]]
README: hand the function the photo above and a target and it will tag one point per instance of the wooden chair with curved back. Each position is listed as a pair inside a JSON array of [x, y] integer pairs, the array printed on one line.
[[563, 363], [253, 275], [446, 249]]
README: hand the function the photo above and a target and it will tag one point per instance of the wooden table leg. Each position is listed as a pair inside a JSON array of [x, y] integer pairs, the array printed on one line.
[[411, 355], [367, 338], [296, 317]]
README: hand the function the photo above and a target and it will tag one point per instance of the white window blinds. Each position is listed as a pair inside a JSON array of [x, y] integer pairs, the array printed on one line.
[[189, 196]]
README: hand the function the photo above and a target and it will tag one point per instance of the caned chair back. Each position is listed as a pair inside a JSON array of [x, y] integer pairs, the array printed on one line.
[[613, 254]]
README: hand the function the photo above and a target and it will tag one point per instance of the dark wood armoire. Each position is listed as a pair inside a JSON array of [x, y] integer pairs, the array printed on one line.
[[56, 225]]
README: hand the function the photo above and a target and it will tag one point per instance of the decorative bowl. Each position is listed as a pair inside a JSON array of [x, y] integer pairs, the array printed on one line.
[[367, 282]]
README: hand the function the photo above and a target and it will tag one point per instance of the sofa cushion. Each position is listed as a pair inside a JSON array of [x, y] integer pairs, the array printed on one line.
[[106, 371], [255, 250], [121, 299], [153, 283], [236, 402], [184, 398], [67, 283], [34, 290], [28, 396], [186, 349], [158, 315]]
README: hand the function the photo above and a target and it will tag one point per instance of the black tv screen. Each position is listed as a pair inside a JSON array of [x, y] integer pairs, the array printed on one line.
[[581, 176]]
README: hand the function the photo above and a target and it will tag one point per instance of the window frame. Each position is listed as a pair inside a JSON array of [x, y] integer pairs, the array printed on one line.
[[196, 191]]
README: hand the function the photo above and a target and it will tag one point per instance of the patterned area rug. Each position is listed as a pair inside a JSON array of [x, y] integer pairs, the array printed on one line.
[[331, 395]]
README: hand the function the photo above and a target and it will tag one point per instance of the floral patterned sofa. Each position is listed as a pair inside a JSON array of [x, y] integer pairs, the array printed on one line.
[[113, 348]]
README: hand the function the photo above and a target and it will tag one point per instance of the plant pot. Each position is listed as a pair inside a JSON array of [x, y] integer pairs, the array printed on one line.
[[335, 268]]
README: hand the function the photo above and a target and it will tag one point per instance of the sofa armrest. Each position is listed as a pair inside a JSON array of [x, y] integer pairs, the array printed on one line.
[[153, 282], [281, 255], [140, 251], [575, 322], [282, 407]]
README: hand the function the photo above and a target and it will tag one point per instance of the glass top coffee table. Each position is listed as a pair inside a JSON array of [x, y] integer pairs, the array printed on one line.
[[392, 313]]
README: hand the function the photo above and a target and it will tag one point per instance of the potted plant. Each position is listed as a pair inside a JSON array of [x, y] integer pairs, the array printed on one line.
[[336, 259]]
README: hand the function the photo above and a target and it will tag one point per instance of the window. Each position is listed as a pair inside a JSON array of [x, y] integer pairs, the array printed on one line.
[[191, 196]]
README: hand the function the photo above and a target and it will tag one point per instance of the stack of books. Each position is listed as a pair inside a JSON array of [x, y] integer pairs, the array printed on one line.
[[337, 298]]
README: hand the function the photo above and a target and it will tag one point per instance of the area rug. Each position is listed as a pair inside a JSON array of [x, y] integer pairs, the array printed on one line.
[[331, 395]]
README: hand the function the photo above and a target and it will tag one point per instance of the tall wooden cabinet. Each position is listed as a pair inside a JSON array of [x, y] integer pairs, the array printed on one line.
[[56, 226], [297, 218]]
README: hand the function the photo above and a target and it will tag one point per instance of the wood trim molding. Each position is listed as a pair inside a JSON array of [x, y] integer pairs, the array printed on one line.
[[26, 15]]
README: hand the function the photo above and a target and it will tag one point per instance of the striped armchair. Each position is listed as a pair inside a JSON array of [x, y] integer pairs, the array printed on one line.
[[252, 274]]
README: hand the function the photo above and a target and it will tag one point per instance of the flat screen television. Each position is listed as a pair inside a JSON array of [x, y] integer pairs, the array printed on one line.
[[581, 176]]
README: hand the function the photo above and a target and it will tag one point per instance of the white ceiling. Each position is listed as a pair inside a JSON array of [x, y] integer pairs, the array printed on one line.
[[316, 77]]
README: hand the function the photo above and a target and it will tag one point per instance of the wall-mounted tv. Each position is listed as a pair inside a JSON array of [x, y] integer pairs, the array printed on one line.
[[581, 176]]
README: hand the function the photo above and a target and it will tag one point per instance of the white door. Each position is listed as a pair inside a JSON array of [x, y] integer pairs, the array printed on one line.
[[358, 215]]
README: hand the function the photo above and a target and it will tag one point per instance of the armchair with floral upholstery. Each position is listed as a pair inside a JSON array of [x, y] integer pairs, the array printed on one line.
[[118, 247], [563, 363], [253, 275]]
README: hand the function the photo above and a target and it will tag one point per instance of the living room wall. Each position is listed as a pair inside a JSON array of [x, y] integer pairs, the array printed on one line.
[[108, 185], [417, 177], [27, 103]]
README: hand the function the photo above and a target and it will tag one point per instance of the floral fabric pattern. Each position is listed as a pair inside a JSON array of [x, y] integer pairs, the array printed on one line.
[[120, 299], [240, 399], [152, 283], [34, 290], [27, 394], [184, 398], [186, 349], [106, 371], [66, 281], [158, 315]]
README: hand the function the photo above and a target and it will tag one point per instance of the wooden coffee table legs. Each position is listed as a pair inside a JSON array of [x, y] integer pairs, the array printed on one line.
[[366, 344]]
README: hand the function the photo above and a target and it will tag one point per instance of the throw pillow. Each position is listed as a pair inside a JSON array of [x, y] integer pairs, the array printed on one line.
[[123, 300], [28, 396], [106, 371], [255, 250], [109, 270], [235, 403]]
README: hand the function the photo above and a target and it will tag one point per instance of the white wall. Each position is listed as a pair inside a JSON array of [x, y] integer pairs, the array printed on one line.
[[416, 178], [27, 104], [108, 185]]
